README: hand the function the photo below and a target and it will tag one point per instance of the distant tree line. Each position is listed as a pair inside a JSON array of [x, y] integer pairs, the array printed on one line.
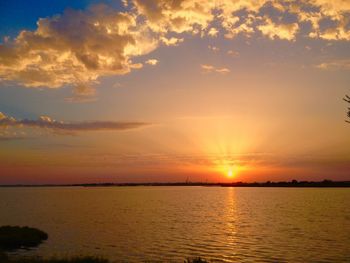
[[347, 99]]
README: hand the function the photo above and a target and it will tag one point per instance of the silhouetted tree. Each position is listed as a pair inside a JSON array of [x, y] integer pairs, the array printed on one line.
[[347, 99]]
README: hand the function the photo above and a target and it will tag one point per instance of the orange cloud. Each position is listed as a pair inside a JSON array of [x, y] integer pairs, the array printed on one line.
[[210, 69], [213, 32], [281, 31], [78, 47], [214, 48], [152, 62], [75, 47], [176, 16], [335, 65], [173, 41], [82, 93]]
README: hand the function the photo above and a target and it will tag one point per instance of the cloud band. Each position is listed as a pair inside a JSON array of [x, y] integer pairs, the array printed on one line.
[[45, 122]]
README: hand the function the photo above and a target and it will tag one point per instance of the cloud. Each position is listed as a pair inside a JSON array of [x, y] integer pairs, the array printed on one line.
[[211, 69], [2, 116], [75, 48], [246, 17], [152, 62], [82, 93], [233, 53], [173, 41], [45, 122], [211, 160], [214, 48], [165, 16], [222, 70], [207, 68], [281, 31], [234, 26], [78, 47], [245, 160], [213, 32], [337, 11], [335, 65]]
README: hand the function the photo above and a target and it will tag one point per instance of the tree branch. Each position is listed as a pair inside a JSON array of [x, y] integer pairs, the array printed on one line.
[[347, 99]]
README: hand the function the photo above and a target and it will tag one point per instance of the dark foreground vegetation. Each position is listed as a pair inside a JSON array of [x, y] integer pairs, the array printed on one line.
[[15, 237]]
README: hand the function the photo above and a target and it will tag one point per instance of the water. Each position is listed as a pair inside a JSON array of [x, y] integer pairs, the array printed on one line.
[[172, 223]]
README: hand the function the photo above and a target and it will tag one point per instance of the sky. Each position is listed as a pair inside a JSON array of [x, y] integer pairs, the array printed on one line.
[[173, 91]]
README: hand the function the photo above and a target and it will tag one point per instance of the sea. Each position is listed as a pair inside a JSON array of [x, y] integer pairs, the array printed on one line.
[[173, 223]]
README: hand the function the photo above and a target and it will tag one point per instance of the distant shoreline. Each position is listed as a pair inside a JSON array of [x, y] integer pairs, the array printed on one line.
[[292, 184]]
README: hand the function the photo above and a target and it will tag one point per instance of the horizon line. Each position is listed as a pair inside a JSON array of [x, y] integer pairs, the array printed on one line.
[[295, 183]]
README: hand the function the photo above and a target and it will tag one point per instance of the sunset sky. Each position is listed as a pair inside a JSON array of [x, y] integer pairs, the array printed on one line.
[[165, 91]]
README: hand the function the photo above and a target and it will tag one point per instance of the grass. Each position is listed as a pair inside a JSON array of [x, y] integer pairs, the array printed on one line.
[[15, 237]]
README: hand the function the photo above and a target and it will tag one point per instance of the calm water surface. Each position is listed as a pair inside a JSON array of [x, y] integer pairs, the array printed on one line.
[[137, 224]]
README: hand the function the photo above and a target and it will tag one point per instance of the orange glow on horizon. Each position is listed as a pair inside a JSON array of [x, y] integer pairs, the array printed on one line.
[[229, 170]]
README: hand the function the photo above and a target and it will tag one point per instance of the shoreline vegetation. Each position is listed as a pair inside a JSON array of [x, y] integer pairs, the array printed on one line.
[[17, 237], [294, 183]]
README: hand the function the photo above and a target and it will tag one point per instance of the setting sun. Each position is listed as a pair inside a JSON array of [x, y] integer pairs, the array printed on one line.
[[228, 168], [230, 171]]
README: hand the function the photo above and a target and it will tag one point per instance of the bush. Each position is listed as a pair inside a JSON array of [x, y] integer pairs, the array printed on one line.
[[15, 237]]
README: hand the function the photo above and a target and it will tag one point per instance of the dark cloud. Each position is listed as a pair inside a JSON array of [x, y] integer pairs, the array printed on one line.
[[45, 122]]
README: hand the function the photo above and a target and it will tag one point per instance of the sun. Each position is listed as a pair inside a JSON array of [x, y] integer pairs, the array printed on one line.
[[229, 170]]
